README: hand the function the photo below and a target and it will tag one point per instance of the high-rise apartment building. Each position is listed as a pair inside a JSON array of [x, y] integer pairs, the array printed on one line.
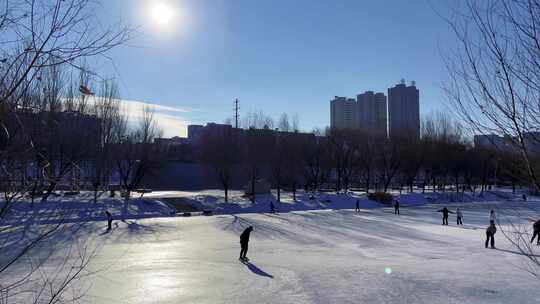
[[343, 113], [372, 113], [404, 110]]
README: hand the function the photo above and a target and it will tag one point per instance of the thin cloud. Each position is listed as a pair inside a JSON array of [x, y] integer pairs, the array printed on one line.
[[172, 120]]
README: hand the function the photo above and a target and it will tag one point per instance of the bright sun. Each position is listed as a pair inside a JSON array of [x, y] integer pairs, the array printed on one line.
[[162, 13]]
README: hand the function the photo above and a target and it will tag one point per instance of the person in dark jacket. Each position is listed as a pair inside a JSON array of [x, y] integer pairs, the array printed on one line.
[[272, 207], [492, 217], [396, 207], [357, 206], [490, 235], [536, 232], [445, 213], [459, 217], [109, 219], [244, 241]]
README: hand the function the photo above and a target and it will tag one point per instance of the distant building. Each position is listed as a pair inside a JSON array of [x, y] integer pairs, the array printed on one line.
[[404, 110], [195, 132], [492, 141], [371, 115], [532, 142], [509, 144], [171, 142], [343, 113]]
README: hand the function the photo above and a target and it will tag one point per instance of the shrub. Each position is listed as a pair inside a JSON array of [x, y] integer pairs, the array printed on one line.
[[381, 197]]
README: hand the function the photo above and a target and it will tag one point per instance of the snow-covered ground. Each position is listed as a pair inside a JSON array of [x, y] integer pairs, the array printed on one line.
[[317, 256]]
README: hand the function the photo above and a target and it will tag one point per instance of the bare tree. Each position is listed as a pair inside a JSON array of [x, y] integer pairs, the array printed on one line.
[[388, 161], [42, 33], [316, 160], [364, 159], [106, 109], [136, 155], [495, 72], [257, 147], [257, 120], [41, 38], [221, 152], [278, 156], [294, 166], [342, 151]]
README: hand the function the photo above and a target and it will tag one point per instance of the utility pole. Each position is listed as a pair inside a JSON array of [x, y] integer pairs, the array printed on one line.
[[236, 115]]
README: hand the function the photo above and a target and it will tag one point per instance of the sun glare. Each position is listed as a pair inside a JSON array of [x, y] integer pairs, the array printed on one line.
[[162, 14]]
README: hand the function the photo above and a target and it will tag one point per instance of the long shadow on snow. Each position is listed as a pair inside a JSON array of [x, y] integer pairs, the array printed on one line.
[[348, 226], [517, 252], [267, 230], [52, 212], [325, 224], [256, 270]]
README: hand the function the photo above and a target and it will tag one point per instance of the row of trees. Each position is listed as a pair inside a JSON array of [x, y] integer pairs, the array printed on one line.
[[345, 159], [56, 135]]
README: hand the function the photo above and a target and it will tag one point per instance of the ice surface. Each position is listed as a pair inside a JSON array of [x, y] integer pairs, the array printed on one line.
[[318, 256]]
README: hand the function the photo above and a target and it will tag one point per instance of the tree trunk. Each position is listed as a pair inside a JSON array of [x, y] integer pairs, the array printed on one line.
[[253, 191], [47, 193], [278, 192]]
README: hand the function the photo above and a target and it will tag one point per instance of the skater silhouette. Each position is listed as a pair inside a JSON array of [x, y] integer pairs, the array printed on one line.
[[459, 217], [490, 235], [492, 217], [244, 241], [109, 220], [445, 213], [536, 232]]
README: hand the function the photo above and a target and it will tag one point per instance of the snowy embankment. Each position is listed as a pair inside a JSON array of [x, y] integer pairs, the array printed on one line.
[[238, 203], [82, 208]]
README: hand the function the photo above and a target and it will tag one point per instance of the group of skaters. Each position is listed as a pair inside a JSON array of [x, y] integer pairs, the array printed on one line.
[[490, 230], [446, 212]]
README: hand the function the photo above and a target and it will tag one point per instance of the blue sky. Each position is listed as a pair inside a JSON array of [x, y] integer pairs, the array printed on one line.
[[276, 56]]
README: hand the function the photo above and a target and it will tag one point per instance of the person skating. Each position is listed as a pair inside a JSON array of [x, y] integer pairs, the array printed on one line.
[[357, 206], [445, 213], [536, 232], [109, 219], [396, 207], [244, 241], [272, 207], [492, 217], [459, 215], [490, 235], [524, 196]]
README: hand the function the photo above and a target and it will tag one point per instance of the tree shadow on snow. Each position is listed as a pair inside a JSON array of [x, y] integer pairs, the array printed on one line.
[[518, 253], [256, 270]]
